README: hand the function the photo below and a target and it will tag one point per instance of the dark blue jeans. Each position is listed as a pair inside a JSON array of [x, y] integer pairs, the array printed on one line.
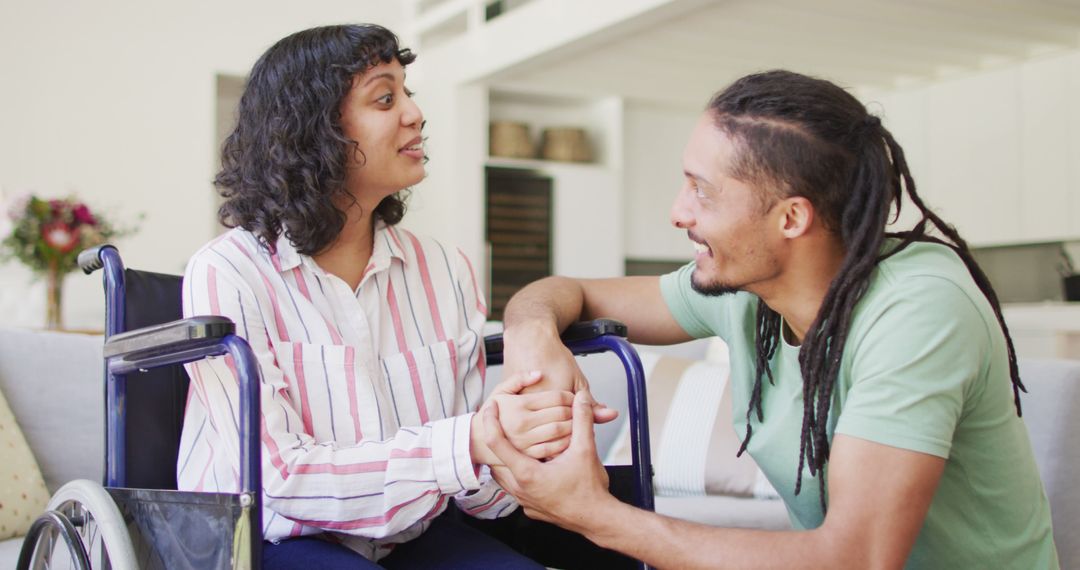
[[446, 545]]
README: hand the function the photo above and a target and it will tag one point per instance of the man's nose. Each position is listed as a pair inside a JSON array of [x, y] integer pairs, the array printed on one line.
[[681, 216]]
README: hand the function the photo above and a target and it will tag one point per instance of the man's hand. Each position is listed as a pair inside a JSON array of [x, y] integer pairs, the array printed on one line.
[[536, 348], [571, 489]]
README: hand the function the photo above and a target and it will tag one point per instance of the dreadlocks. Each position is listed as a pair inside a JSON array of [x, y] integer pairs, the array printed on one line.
[[800, 136]]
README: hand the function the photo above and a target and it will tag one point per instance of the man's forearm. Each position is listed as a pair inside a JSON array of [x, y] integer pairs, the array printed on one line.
[[533, 320], [664, 542], [552, 303]]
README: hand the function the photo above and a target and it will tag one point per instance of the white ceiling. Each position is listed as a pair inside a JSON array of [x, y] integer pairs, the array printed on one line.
[[867, 45]]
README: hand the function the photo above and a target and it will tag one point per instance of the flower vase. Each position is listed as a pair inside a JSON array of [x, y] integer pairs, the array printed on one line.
[[55, 285]]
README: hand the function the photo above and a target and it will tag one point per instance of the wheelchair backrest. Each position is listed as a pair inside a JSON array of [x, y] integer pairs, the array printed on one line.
[[156, 398]]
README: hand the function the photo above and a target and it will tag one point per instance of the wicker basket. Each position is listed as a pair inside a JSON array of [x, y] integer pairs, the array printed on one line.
[[567, 144], [510, 140]]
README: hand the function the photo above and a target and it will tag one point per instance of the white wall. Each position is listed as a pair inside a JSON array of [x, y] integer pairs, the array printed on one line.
[[114, 100], [652, 155]]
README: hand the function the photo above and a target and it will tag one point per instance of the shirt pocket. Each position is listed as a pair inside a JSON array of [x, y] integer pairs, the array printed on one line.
[[423, 383], [331, 390]]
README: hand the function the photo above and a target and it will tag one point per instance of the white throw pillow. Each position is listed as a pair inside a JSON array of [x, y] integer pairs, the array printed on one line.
[[691, 433]]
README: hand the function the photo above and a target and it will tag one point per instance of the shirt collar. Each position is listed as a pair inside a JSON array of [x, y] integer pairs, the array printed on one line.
[[387, 245], [286, 257]]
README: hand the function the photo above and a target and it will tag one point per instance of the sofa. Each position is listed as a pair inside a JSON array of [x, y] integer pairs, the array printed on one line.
[[53, 385]]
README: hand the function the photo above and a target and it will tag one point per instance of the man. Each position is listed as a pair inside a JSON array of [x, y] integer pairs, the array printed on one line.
[[878, 380]]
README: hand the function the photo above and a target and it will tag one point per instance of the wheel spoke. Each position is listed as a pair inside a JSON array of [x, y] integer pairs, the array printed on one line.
[[84, 527]]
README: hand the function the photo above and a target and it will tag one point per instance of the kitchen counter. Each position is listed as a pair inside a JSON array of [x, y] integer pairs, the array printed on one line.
[[1044, 330]]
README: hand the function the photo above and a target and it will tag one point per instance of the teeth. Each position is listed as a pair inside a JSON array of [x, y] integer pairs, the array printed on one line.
[[700, 247]]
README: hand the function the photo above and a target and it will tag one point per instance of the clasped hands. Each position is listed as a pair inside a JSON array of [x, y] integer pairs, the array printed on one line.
[[536, 423], [537, 437]]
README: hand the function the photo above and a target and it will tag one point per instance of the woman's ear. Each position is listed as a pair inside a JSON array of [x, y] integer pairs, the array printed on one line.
[[796, 216]]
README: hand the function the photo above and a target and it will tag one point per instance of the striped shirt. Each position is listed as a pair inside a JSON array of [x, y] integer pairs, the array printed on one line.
[[366, 395]]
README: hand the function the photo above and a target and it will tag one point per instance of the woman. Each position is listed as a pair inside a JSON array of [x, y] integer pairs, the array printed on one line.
[[367, 336]]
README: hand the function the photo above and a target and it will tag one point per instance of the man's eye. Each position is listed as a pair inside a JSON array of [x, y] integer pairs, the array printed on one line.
[[697, 190]]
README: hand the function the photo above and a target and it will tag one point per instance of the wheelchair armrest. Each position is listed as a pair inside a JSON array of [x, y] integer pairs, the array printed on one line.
[[582, 330], [168, 337], [585, 330]]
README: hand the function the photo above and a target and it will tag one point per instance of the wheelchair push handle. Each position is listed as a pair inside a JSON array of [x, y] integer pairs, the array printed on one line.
[[90, 260]]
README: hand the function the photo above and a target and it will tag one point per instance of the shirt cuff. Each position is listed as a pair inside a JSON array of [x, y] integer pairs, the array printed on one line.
[[454, 470]]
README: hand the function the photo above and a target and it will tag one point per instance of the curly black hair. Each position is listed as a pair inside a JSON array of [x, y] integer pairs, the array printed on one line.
[[285, 163]]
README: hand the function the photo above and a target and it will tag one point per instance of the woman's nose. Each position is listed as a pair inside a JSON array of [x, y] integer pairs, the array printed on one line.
[[412, 116]]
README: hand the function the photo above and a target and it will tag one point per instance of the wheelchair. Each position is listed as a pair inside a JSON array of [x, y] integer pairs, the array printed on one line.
[[138, 518]]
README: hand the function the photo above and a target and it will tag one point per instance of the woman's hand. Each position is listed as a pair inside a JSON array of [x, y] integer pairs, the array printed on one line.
[[537, 424]]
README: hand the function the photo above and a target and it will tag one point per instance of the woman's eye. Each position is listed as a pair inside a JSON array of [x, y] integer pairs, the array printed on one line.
[[387, 99], [409, 92]]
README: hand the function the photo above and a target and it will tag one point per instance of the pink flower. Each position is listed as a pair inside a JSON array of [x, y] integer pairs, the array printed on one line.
[[82, 214], [59, 236]]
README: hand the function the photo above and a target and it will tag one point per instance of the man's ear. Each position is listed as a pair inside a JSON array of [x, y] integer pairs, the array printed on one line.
[[796, 216]]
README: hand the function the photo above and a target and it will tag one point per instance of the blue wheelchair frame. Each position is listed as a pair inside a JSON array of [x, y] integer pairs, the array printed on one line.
[[187, 340]]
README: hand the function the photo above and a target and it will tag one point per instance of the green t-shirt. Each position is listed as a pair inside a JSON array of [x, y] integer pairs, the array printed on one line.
[[924, 369]]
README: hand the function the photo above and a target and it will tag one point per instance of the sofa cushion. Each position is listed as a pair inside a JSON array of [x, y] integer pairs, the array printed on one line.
[[691, 432], [53, 383], [22, 490], [9, 552], [727, 512], [1052, 415]]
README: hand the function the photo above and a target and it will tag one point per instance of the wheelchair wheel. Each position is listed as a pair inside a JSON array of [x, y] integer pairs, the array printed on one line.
[[81, 515]]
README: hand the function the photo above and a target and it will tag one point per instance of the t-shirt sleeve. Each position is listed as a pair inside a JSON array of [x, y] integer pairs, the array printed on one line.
[[685, 304], [915, 366]]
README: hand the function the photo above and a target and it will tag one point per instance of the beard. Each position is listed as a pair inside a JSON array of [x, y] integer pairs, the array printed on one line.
[[715, 289]]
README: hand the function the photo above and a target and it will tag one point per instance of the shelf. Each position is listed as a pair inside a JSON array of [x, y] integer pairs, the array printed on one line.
[[539, 164]]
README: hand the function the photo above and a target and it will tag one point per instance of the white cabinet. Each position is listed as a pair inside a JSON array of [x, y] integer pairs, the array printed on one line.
[[997, 153], [1046, 134], [1073, 157], [904, 114], [974, 153]]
